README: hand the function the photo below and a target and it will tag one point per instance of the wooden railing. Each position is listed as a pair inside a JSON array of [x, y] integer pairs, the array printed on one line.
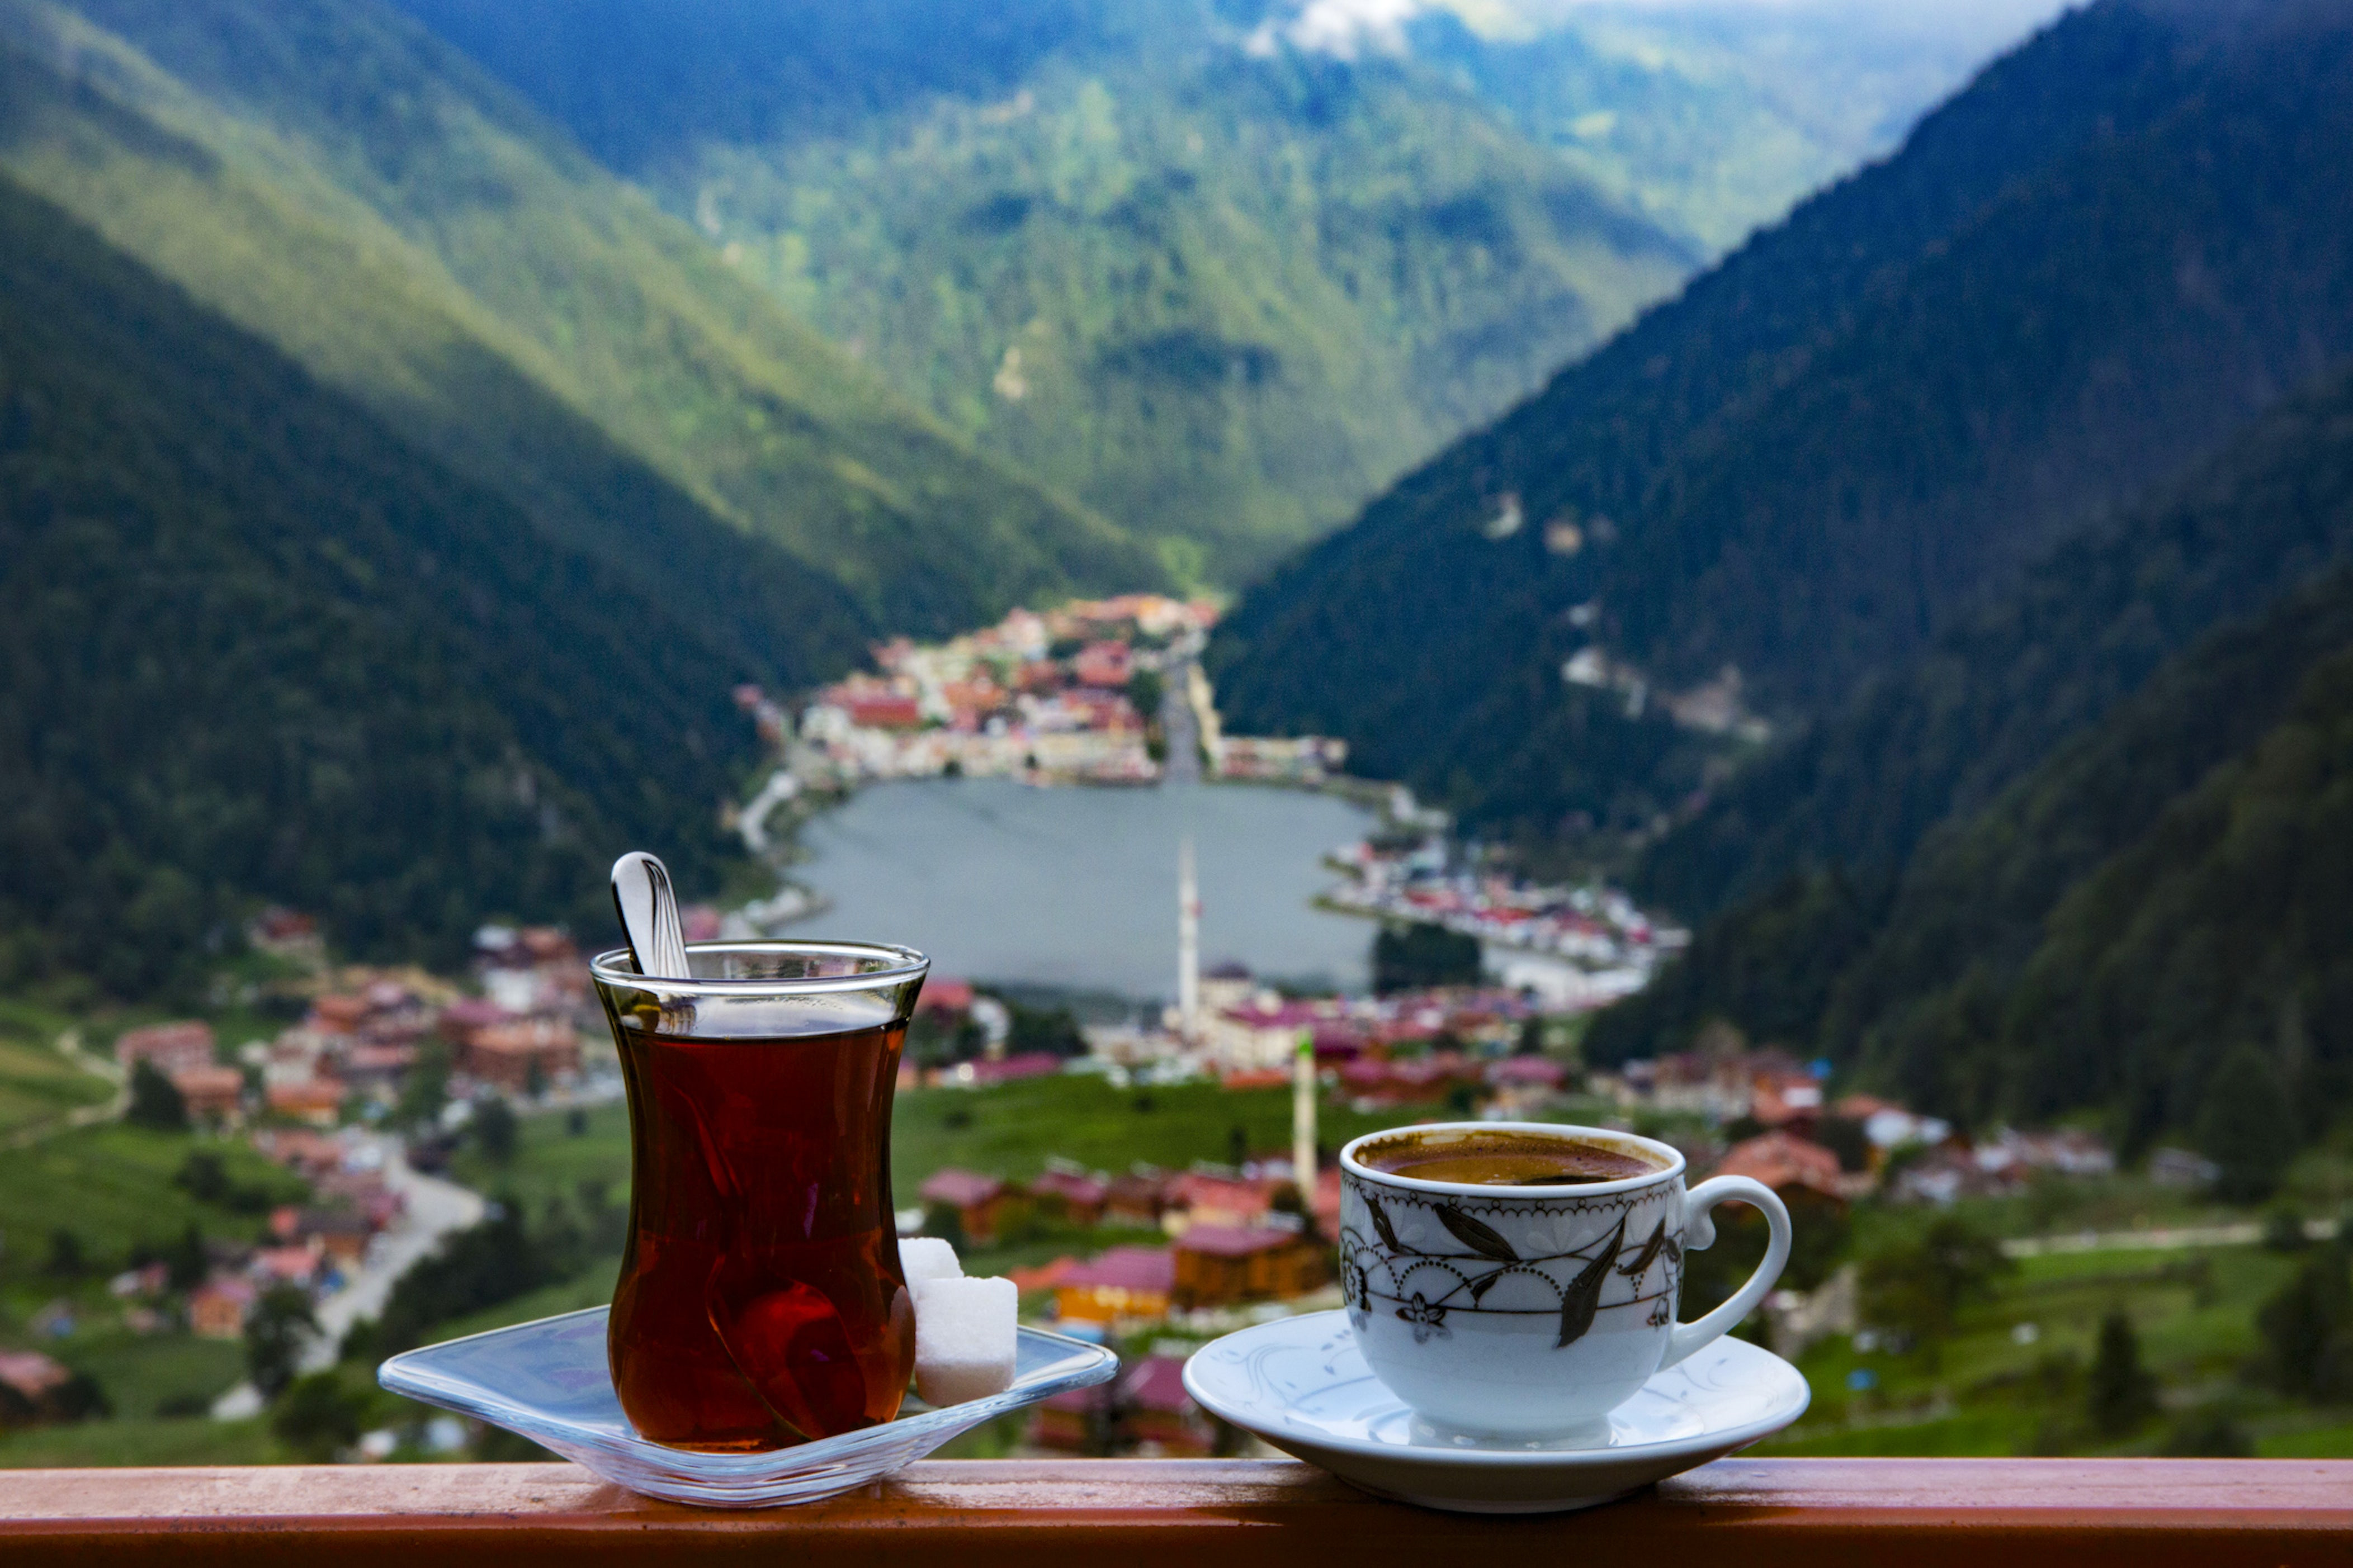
[[1203, 1513]]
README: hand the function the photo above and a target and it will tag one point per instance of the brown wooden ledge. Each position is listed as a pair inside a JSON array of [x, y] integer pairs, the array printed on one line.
[[1202, 1513]]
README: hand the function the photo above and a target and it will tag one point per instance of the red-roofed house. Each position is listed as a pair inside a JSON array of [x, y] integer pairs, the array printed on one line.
[[1138, 1199], [942, 994], [211, 1093], [1203, 1199], [308, 1153], [1081, 1197], [1045, 1277], [1076, 1421], [1124, 1283], [378, 1067], [339, 1233], [167, 1048], [1782, 1161], [1108, 665], [883, 710], [319, 1101], [1540, 1072], [977, 1200], [32, 1375], [461, 1019], [286, 1265], [1161, 1417], [1219, 1265], [1785, 1100], [216, 1308], [509, 1055]]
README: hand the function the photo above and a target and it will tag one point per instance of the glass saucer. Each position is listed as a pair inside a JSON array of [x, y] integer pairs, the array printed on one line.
[[548, 1381]]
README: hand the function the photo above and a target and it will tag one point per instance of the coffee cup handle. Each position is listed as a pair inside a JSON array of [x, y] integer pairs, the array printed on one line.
[[1699, 1233]]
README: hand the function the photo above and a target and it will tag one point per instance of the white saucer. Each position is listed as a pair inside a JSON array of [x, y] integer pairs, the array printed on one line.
[[1301, 1384]]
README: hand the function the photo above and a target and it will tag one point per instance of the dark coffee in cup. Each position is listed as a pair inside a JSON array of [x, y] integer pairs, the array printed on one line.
[[1501, 1159]]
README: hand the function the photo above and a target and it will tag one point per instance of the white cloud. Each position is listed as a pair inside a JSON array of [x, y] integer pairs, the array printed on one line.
[[1348, 29], [1342, 28]]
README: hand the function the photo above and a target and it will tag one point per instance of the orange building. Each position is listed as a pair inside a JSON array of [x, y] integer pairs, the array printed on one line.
[[507, 1056], [211, 1093], [319, 1101], [218, 1307], [977, 1200], [1124, 1284], [1219, 1265]]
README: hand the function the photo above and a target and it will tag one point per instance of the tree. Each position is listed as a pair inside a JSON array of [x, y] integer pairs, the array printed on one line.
[[1414, 956], [2208, 1434], [154, 1102], [2247, 1127], [280, 1325], [2308, 1329], [66, 1260], [492, 1262], [495, 1128], [2284, 1230], [186, 1259], [426, 1090], [2120, 1393], [317, 1417], [1920, 1287], [1053, 1030], [203, 1176]]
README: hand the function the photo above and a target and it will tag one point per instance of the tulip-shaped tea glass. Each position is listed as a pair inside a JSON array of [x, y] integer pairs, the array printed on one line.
[[761, 1302]]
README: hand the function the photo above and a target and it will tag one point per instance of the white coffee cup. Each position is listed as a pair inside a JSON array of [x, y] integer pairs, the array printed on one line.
[[1530, 1313]]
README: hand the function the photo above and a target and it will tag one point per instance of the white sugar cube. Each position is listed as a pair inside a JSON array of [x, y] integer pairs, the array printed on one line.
[[964, 1338], [927, 1257]]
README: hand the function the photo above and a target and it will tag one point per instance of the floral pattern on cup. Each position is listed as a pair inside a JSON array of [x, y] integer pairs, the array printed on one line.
[[1422, 1285]]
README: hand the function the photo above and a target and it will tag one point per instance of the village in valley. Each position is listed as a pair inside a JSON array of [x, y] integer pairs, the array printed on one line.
[[398, 1112], [1090, 692]]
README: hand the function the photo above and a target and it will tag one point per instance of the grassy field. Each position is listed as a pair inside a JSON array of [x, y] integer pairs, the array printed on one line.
[[40, 1084], [110, 1188]]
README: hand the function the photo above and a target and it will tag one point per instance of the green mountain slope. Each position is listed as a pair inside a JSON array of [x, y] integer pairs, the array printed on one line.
[[1997, 691], [2067, 932], [1712, 119], [328, 176], [1219, 297], [258, 648], [2090, 269]]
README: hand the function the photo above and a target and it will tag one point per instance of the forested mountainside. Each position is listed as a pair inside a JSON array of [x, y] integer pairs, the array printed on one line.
[[1941, 737], [1219, 291], [328, 176], [257, 648], [2085, 273], [2030, 875], [1711, 119]]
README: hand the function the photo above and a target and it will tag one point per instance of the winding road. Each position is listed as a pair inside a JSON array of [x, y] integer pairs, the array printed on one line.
[[436, 1208]]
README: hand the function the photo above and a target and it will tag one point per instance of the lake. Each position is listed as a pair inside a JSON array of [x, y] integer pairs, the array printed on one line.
[[1077, 887]]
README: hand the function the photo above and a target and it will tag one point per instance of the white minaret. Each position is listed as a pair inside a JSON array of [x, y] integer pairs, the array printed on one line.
[[1188, 946]]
